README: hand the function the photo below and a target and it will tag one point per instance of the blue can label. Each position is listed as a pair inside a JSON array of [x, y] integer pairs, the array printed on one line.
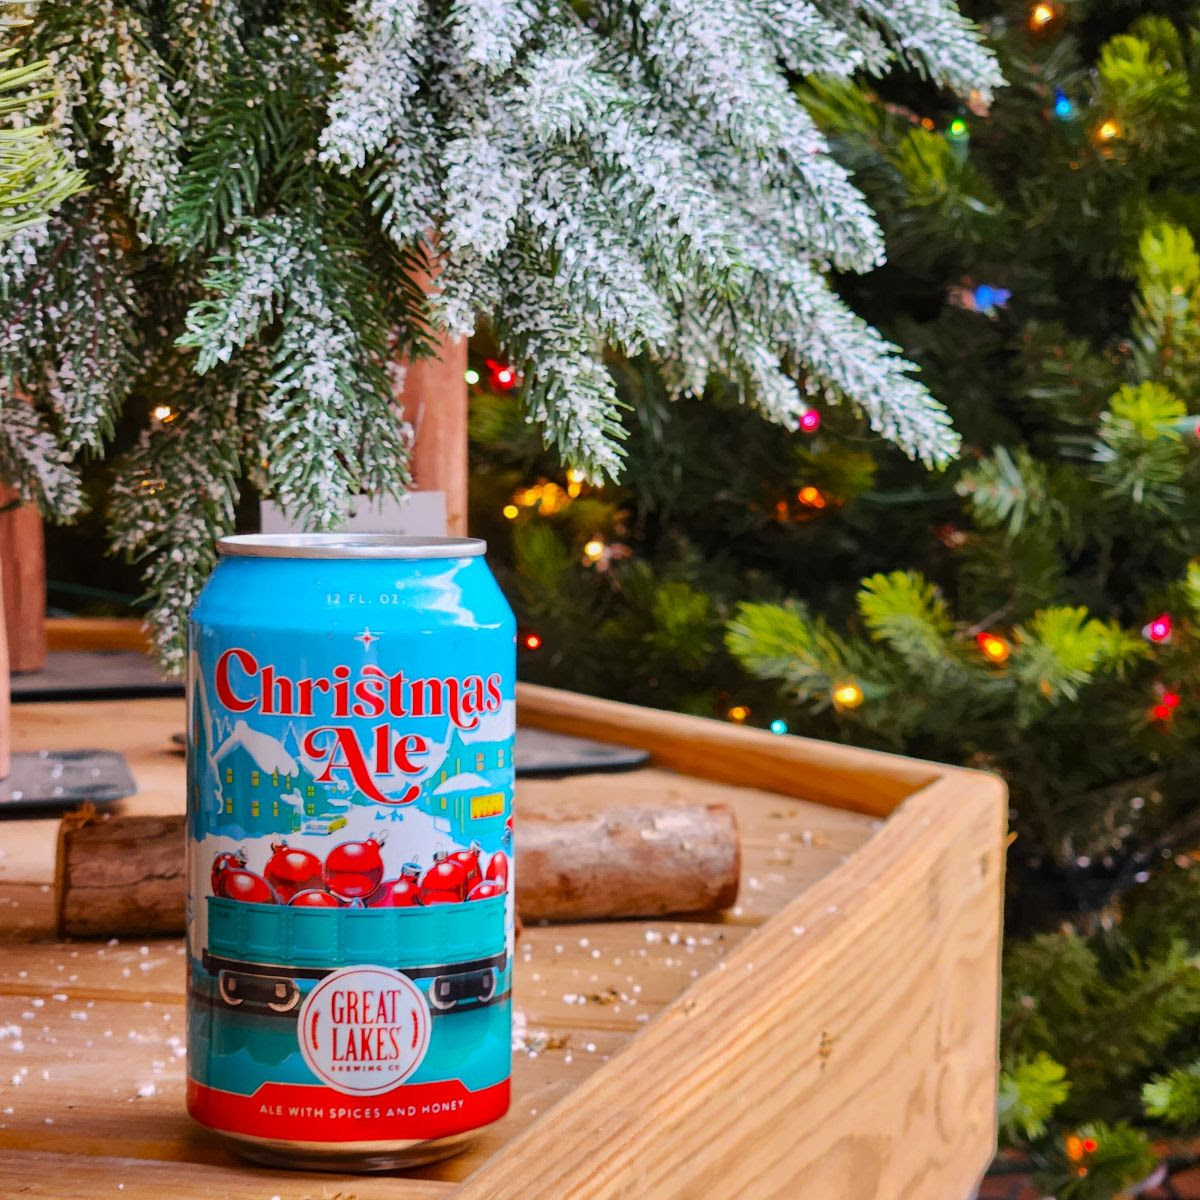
[[350, 854]]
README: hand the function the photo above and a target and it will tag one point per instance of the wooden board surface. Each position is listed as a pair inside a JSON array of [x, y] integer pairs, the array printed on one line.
[[851, 991]]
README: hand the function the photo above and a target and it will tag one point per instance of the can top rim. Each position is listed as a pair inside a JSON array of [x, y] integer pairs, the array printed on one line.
[[347, 545]]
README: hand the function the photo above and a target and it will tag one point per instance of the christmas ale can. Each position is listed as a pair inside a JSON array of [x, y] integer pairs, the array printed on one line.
[[350, 903]]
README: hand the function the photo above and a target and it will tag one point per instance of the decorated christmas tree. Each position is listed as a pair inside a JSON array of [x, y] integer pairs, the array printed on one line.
[[1035, 611], [271, 182]]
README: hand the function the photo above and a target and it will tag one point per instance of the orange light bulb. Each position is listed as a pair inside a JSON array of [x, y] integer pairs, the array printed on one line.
[[847, 694], [995, 648]]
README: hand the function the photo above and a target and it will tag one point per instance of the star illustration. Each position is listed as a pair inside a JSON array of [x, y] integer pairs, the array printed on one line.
[[366, 637]]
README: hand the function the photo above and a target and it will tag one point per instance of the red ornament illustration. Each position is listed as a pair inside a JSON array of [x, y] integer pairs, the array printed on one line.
[[440, 898], [446, 875], [353, 870], [314, 898], [224, 862], [404, 892], [470, 860], [291, 871], [236, 883], [485, 890], [497, 869]]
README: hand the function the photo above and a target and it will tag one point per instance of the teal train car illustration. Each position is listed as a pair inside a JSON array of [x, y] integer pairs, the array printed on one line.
[[262, 960]]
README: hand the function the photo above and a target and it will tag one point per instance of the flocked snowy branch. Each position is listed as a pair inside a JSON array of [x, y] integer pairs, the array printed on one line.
[[264, 190]]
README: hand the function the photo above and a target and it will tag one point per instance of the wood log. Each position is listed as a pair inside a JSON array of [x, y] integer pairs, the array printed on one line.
[[630, 861], [125, 876], [119, 874]]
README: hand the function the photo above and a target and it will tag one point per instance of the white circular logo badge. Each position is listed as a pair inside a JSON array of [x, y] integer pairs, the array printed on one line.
[[364, 1030]]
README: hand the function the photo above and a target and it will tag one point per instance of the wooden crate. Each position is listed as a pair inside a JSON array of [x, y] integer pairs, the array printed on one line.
[[833, 1037]]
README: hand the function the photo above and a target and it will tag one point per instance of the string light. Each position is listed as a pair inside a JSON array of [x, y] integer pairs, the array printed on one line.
[[1041, 15], [548, 498], [502, 376], [511, 511], [995, 648], [811, 497], [1171, 699], [162, 412], [471, 376], [1064, 110], [987, 297], [847, 694], [593, 549], [738, 713], [1108, 131], [957, 130], [1158, 631], [1162, 712], [779, 725], [810, 421], [532, 641]]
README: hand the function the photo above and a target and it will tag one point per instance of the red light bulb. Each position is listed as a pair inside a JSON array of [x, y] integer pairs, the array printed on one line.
[[1170, 699], [532, 641], [502, 376], [1158, 630], [810, 422]]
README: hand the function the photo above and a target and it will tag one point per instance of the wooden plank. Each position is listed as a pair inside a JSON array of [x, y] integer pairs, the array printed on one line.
[[5, 691], [434, 400], [23, 579], [106, 1077], [864, 781], [883, 1091], [40, 1175]]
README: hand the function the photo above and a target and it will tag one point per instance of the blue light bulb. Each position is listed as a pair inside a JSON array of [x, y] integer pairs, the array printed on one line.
[[987, 297], [1064, 110], [779, 725]]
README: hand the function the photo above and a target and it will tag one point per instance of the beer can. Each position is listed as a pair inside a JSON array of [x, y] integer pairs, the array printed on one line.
[[350, 885]]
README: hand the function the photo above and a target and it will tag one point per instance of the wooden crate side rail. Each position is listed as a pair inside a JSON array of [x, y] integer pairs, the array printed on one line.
[[96, 633], [862, 1020], [867, 781], [793, 766]]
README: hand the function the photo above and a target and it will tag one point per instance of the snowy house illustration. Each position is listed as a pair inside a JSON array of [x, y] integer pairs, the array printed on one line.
[[261, 787], [468, 790]]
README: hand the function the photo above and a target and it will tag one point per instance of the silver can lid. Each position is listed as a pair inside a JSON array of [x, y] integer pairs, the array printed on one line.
[[347, 545]]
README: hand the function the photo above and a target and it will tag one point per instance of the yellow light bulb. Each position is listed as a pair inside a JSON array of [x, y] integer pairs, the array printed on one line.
[[511, 511], [162, 412], [847, 694], [738, 713], [1041, 15], [593, 550], [1109, 131], [574, 476]]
